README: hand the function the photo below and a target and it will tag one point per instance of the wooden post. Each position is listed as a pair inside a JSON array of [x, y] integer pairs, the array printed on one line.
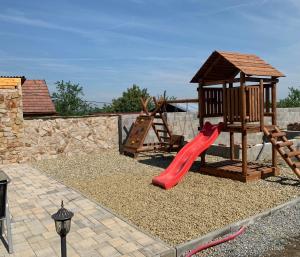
[[262, 108], [274, 118], [274, 122], [224, 105], [232, 155], [243, 121], [201, 105], [243, 100], [244, 153]]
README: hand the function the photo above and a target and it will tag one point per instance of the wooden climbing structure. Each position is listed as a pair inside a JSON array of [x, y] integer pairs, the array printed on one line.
[[241, 90], [157, 122], [285, 148]]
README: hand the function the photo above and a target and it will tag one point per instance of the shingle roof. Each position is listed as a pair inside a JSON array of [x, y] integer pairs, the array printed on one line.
[[36, 98], [226, 65]]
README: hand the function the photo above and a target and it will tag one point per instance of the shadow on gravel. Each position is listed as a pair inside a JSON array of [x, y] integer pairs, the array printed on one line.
[[163, 162], [291, 250], [284, 181]]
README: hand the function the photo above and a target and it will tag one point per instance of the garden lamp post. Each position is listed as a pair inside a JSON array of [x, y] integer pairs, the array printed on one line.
[[62, 219]]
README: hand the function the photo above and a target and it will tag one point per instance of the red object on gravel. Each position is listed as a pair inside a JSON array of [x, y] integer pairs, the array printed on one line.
[[216, 242]]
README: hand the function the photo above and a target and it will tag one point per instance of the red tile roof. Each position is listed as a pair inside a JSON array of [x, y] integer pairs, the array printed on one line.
[[36, 98]]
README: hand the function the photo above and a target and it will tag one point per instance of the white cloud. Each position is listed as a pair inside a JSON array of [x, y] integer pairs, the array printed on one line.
[[39, 23]]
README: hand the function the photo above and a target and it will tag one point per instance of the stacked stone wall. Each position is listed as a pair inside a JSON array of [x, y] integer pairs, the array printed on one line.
[[50, 138], [11, 126]]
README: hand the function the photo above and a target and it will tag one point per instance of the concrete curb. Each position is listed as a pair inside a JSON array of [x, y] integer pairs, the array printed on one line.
[[182, 249]]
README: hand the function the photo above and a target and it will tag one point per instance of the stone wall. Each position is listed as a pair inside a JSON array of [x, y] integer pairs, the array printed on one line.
[[186, 124], [11, 126], [34, 139], [50, 138]]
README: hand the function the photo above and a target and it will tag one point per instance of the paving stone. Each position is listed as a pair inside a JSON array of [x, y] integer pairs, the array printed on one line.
[[33, 197]]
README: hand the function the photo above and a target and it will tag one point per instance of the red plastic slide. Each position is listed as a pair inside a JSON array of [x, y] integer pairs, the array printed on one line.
[[187, 155]]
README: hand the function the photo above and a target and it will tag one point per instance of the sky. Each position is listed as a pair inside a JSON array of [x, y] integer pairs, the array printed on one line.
[[108, 45]]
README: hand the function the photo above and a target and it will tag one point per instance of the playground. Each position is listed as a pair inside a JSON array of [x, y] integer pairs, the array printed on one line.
[[192, 193], [174, 188], [198, 205]]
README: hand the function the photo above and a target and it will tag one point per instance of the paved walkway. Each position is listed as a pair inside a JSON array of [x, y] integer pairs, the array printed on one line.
[[33, 197]]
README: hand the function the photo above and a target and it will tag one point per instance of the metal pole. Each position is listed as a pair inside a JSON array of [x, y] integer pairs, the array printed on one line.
[[63, 246]]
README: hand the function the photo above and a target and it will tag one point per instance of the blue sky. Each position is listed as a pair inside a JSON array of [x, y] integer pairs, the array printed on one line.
[[106, 46]]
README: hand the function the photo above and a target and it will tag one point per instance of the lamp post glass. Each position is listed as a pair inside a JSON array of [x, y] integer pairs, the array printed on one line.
[[62, 219]]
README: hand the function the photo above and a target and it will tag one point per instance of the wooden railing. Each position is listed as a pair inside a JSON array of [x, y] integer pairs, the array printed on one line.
[[253, 108], [212, 99], [213, 102], [233, 104]]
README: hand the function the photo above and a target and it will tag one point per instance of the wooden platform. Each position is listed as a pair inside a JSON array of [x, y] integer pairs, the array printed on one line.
[[251, 128], [233, 170]]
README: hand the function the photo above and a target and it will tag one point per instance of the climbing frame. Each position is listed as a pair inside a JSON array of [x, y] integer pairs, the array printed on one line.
[[157, 122]]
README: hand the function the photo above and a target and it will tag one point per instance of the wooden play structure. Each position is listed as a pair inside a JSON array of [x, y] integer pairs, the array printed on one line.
[[241, 89], [156, 120]]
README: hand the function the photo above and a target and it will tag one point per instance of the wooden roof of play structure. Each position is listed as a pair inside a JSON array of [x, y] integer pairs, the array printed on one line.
[[222, 66]]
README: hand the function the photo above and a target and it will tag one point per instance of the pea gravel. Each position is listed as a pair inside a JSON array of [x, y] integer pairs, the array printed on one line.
[[275, 235], [196, 206]]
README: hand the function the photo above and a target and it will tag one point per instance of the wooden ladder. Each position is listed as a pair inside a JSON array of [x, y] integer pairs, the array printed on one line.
[[284, 147], [162, 130]]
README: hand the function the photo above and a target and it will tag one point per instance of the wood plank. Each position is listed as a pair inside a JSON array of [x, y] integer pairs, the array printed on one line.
[[243, 99], [292, 154], [224, 105], [232, 152], [10, 81], [261, 103], [192, 100], [233, 170], [283, 144], [8, 86], [268, 102]]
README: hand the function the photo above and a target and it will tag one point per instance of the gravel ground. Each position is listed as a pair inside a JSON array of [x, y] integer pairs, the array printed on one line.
[[196, 206], [271, 236]]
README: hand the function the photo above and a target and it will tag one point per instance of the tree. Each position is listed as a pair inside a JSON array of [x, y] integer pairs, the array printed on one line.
[[68, 101], [129, 101], [292, 100]]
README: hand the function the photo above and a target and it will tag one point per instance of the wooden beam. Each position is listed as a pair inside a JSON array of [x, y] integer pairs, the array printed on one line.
[[232, 155], [179, 101], [243, 100], [244, 154], [224, 105], [10, 81], [212, 65], [144, 104], [262, 108], [274, 122], [237, 80], [201, 105]]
